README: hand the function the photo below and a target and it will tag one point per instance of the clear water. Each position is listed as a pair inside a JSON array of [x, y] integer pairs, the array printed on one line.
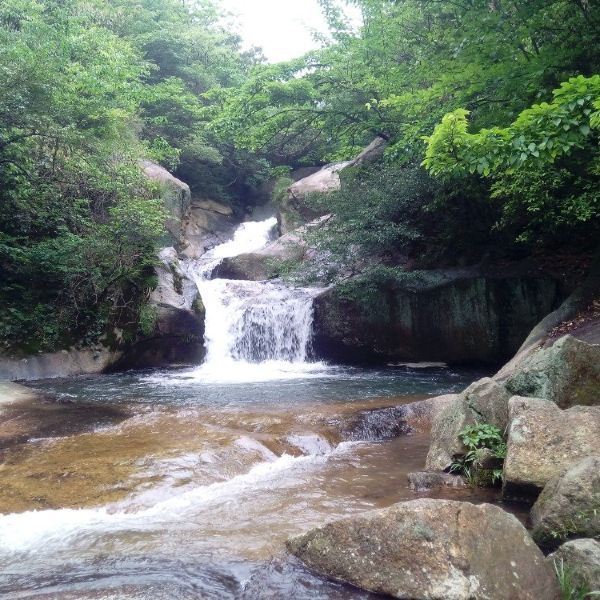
[[193, 492], [260, 385]]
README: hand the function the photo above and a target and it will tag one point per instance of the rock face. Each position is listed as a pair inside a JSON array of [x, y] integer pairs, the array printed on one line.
[[543, 441], [567, 373], [485, 317], [64, 363], [178, 333], [485, 401], [564, 373], [295, 211], [207, 224], [266, 262], [434, 550], [581, 558], [176, 197], [569, 505]]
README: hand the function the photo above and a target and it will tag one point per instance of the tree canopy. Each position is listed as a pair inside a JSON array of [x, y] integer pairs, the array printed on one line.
[[490, 110]]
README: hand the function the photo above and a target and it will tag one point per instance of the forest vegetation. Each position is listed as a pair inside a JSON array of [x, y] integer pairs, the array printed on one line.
[[490, 111]]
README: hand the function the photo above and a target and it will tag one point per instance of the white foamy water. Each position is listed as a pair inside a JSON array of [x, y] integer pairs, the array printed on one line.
[[254, 330], [43, 530]]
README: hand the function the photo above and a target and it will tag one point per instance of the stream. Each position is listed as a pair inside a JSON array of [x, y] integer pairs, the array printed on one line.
[[186, 483]]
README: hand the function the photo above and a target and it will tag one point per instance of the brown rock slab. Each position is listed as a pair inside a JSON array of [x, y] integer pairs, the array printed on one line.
[[431, 550], [543, 441]]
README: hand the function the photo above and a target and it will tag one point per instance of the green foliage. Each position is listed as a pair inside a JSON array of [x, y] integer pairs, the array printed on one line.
[[392, 214], [544, 166], [475, 438], [539, 136], [88, 89], [569, 583], [147, 318], [573, 525], [409, 64]]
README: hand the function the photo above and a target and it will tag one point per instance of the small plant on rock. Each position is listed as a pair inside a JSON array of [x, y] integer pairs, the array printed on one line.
[[481, 440], [570, 585]]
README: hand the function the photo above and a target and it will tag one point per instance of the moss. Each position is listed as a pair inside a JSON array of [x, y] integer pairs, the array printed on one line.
[[177, 279], [198, 306]]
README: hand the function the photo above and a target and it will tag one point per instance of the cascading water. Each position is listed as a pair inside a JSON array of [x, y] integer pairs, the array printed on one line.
[[260, 329]]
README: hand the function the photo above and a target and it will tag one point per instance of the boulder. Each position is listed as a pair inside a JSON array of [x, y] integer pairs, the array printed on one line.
[[567, 373], [431, 549], [485, 401], [177, 335], [262, 264], [569, 505], [581, 560], [486, 316], [176, 197], [543, 441], [572, 378], [294, 211], [420, 415], [207, 224], [424, 481]]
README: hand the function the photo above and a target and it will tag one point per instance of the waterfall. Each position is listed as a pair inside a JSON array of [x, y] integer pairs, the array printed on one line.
[[252, 325]]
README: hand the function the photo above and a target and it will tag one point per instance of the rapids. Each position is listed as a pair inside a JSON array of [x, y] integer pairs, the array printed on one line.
[[186, 483]]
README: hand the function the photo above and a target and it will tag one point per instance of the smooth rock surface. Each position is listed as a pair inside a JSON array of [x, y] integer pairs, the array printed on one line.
[[176, 197], [569, 505], [178, 333], [294, 211], [431, 550], [207, 224], [486, 317], [64, 363], [580, 558], [567, 373], [543, 441]]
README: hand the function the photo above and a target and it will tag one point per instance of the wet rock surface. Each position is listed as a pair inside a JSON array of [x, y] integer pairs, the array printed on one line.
[[431, 549], [485, 401], [423, 481], [177, 330]]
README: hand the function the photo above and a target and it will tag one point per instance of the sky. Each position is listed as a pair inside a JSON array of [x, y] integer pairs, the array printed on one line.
[[281, 27]]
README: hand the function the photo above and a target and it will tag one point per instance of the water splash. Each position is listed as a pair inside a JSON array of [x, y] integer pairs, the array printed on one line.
[[254, 330]]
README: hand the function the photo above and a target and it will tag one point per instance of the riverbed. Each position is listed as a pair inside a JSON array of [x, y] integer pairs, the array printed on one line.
[[161, 484]]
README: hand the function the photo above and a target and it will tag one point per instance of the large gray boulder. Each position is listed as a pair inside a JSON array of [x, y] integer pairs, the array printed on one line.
[[581, 560], [177, 335], [569, 505], [207, 224], [431, 550], [64, 363], [277, 256], [263, 264], [485, 401], [567, 373], [543, 441], [176, 197], [294, 210]]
